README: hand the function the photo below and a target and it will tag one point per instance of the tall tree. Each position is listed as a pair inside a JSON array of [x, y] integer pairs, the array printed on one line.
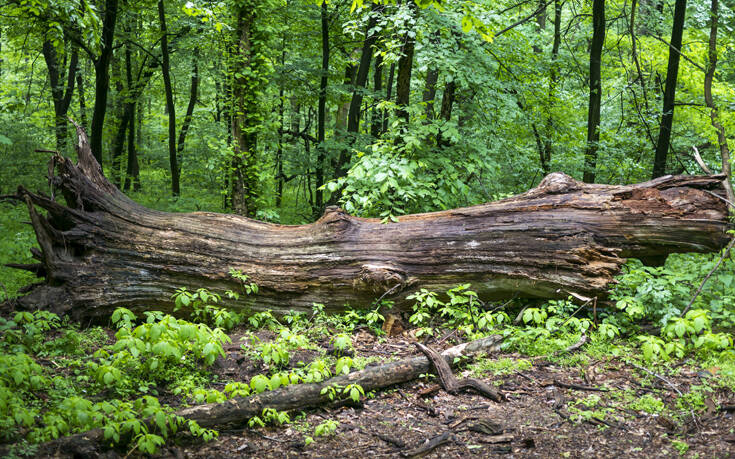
[[248, 65], [101, 62], [709, 100], [61, 90], [672, 72], [593, 111], [322, 105], [405, 66], [170, 106]]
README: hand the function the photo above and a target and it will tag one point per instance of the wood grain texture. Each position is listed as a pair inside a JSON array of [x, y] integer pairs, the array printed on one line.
[[101, 250]]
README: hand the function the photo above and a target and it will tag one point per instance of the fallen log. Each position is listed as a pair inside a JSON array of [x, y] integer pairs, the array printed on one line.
[[298, 396], [100, 250]]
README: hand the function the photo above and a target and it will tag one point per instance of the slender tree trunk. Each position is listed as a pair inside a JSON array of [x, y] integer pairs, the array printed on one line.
[[388, 95], [170, 107], [61, 91], [593, 113], [281, 128], [353, 117], [322, 107], [132, 172], [672, 71], [376, 122], [193, 91], [121, 112], [547, 147], [709, 100], [82, 101], [445, 113], [102, 77], [405, 65], [432, 75]]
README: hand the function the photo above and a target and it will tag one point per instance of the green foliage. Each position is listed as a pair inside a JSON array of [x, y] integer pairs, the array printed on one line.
[[203, 307], [154, 351]]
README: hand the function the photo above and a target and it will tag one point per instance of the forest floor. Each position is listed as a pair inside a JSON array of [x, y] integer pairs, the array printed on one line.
[[617, 410]]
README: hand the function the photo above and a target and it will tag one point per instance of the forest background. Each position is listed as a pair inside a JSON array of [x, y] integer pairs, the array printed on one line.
[[277, 109]]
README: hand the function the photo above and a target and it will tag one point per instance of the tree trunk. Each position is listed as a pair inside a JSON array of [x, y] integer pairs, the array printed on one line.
[[709, 100], [405, 65], [193, 92], [170, 107], [322, 107], [593, 112], [105, 251], [376, 123], [672, 71], [102, 77], [60, 92], [246, 112]]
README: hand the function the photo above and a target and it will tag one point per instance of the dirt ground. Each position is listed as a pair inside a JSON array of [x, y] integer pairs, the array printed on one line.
[[537, 420]]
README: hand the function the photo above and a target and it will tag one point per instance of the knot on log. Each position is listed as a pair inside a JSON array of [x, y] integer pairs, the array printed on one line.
[[380, 278], [335, 218], [558, 182]]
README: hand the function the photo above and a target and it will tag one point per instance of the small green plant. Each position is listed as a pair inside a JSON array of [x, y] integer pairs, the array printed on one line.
[[326, 428], [203, 308]]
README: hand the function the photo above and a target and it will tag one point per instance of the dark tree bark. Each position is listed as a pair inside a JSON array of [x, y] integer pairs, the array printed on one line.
[[82, 101], [104, 251], [170, 106], [593, 112], [61, 91], [376, 122], [193, 93], [405, 66], [360, 82], [102, 78], [672, 71], [353, 117], [432, 75], [445, 113], [709, 100], [388, 95], [322, 107], [546, 150]]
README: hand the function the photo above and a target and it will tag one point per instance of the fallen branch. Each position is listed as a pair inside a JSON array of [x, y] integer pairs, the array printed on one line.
[[453, 385], [299, 396]]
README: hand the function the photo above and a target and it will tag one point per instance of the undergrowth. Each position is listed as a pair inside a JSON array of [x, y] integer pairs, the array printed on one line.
[[57, 379]]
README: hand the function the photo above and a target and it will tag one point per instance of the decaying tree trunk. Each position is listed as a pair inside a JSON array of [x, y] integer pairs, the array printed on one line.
[[101, 250]]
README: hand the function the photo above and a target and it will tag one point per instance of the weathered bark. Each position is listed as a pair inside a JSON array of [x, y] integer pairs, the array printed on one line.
[[170, 106], [672, 71], [104, 251], [595, 99], [102, 77]]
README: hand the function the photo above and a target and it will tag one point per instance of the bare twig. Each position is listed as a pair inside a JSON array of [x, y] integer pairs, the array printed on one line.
[[700, 161], [704, 281], [668, 383]]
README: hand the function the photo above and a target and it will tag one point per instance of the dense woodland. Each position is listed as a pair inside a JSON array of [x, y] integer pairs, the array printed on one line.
[[277, 110]]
